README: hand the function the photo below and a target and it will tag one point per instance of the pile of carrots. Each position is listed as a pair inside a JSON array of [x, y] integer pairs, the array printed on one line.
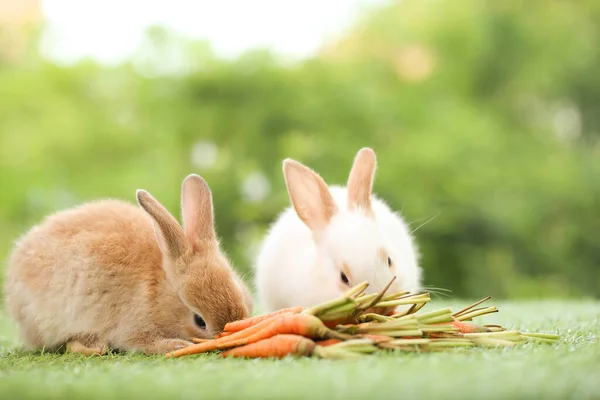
[[358, 324]]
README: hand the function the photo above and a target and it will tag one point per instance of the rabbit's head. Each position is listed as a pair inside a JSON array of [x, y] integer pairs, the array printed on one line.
[[349, 239], [195, 267]]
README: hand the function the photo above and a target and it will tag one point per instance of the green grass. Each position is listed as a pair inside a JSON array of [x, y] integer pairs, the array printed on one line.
[[568, 369]]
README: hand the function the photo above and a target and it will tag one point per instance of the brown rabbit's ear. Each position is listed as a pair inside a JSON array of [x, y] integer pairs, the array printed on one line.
[[197, 209], [360, 181], [309, 194], [169, 234]]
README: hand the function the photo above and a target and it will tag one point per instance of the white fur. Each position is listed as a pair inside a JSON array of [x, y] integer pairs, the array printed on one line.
[[294, 267]]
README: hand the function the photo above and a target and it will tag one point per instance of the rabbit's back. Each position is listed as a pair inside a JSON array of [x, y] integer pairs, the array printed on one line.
[[81, 270]]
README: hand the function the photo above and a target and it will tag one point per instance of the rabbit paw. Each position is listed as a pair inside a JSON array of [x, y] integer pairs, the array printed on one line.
[[87, 345], [168, 345], [163, 346]]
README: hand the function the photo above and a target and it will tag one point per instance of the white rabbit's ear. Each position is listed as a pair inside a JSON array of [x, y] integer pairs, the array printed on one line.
[[360, 181], [169, 234], [197, 209], [309, 194]]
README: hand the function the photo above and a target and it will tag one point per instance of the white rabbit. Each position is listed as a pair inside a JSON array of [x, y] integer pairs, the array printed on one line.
[[332, 238]]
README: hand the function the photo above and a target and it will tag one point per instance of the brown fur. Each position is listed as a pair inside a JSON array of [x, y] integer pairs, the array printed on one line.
[[360, 181], [310, 195], [94, 277]]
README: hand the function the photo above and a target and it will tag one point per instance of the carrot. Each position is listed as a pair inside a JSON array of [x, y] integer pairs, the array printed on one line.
[[296, 324], [339, 321], [217, 336], [236, 326], [232, 336], [377, 338], [444, 335], [390, 311], [464, 327], [278, 346], [328, 342]]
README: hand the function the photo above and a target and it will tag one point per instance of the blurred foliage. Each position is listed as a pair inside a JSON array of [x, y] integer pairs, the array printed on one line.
[[484, 116]]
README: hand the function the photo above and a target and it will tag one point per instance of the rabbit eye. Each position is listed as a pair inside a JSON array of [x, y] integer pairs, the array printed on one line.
[[199, 321], [344, 278], [389, 261]]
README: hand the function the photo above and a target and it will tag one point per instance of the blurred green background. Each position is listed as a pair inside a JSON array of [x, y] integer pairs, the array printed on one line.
[[485, 116]]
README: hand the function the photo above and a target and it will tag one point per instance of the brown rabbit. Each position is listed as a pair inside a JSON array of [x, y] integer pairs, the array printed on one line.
[[108, 274]]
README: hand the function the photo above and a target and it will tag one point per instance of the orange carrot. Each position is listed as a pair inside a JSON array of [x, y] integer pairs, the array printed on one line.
[[278, 346], [217, 336], [443, 335], [464, 327], [296, 324], [328, 342], [389, 311], [377, 338], [236, 326], [339, 321], [232, 336]]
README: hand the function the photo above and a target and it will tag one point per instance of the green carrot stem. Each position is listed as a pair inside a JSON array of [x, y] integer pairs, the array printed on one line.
[[381, 294], [356, 290], [354, 342], [395, 296], [341, 318], [495, 328], [539, 339], [365, 300], [400, 302], [335, 353], [392, 325], [549, 336], [435, 313], [404, 333], [410, 317], [411, 349], [319, 309], [337, 312], [478, 313], [473, 310], [385, 330], [365, 349], [417, 308], [424, 294], [492, 342], [439, 328], [440, 319], [451, 340], [375, 317], [402, 313], [409, 311], [464, 310], [499, 335]]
